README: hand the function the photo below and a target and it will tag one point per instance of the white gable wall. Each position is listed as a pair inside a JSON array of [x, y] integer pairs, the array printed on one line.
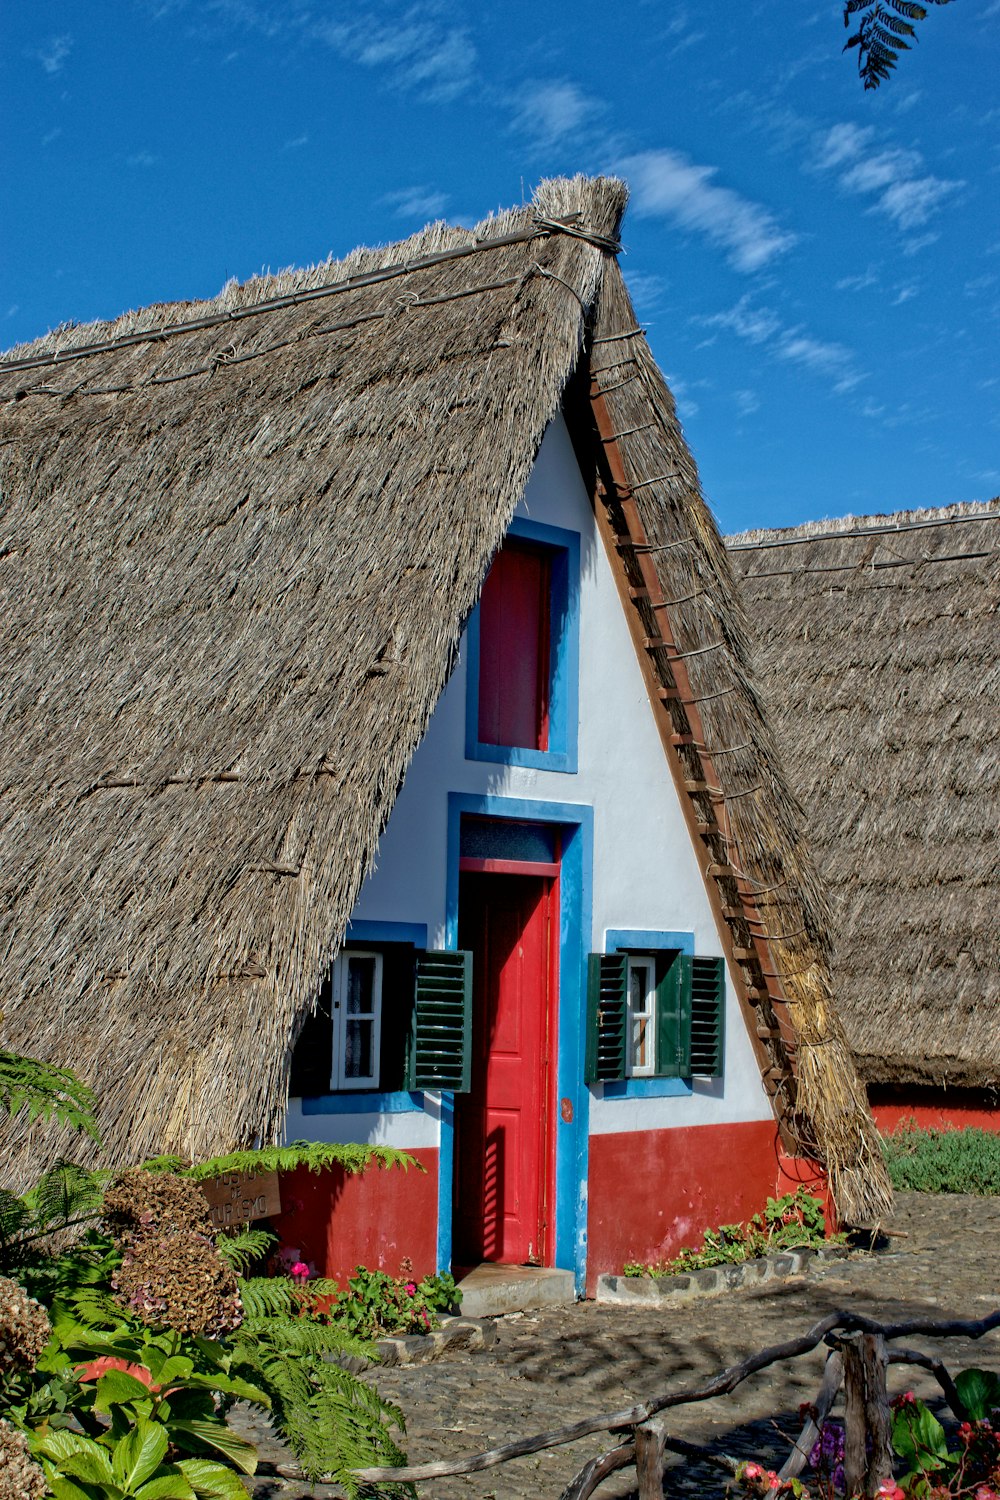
[[645, 873]]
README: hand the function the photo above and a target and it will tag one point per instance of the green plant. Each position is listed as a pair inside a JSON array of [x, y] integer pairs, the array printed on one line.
[[376, 1303], [943, 1161], [793, 1220], [113, 1297], [933, 1467], [45, 1092]]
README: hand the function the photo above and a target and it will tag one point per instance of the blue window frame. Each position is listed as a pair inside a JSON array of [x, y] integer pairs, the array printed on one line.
[[620, 940], [563, 548]]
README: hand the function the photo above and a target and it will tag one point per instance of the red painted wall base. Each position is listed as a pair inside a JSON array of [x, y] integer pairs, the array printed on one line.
[[375, 1218], [653, 1193], [934, 1108]]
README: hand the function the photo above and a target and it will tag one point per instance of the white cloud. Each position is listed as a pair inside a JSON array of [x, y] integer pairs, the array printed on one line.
[[747, 402], [141, 159], [893, 176], [831, 360], [296, 142], [667, 185], [551, 110], [421, 203], [857, 283], [687, 407], [756, 325], [904, 294], [417, 52], [54, 54], [842, 143], [761, 325]]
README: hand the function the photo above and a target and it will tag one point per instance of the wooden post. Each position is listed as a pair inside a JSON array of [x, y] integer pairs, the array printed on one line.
[[649, 1450], [867, 1421]]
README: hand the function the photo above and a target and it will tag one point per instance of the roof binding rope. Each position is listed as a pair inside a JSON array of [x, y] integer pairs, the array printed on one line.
[[541, 228]]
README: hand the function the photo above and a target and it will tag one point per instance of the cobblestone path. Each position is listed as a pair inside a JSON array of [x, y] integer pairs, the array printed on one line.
[[558, 1366]]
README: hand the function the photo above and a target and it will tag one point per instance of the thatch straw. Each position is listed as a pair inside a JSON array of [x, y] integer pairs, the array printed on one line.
[[822, 1097], [235, 562], [878, 656]]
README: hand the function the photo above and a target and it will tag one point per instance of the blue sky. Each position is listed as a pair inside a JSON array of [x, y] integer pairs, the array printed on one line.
[[818, 268]]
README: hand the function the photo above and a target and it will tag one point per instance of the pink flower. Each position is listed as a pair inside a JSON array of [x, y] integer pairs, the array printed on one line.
[[752, 1471], [773, 1482], [891, 1490], [411, 1288], [300, 1271]]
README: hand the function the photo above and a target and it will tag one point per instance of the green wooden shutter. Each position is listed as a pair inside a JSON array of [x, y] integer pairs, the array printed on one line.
[[607, 1016], [708, 1016], [440, 1050], [673, 1019]]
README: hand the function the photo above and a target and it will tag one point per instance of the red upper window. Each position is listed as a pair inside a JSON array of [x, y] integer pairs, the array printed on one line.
[[514, 648]]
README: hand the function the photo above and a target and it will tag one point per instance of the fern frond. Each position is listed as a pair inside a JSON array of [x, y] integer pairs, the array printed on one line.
[[244, 1249], [279, 1296], [15, 1216], [315, 1155], [45, 1093], [65, 1194], [882, 34], [332, 1420]]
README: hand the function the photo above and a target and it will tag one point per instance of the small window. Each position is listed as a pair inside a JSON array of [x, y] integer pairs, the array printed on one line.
[[514, 648], [641, 1058], [654, 1014], [391, 1018], [357, 1019], [523, 641]]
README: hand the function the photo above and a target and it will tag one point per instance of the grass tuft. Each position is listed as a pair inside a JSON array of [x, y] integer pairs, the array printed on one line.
[[943, 1161]]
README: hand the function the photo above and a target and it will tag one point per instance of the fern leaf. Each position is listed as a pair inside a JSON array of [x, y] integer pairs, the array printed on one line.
[[314, 1155], [45, 1093], [244, 1249], [882, 34]]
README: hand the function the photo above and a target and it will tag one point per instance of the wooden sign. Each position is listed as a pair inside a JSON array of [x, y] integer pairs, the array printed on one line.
[[238, 1198]]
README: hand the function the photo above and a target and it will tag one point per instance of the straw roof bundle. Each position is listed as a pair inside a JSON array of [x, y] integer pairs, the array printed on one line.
[[239, 541], [821, 1099], [878, 654]]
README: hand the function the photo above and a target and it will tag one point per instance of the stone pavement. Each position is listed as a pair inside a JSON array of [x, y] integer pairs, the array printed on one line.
[[559, 1365]]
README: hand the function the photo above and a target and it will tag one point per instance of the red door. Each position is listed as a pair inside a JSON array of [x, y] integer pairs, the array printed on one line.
[[502, 1126]]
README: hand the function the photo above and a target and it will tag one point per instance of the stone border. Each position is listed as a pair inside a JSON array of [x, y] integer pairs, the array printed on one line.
[[420, 1348], [654, 1291]]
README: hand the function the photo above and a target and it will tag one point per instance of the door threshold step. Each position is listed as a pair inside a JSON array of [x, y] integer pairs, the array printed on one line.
[[491, 1289]]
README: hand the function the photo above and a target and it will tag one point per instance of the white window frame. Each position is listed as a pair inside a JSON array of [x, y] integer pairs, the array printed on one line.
[[341, 972], [646, 963]]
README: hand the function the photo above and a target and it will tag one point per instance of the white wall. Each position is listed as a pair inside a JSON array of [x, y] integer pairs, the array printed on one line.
[[645, 872]]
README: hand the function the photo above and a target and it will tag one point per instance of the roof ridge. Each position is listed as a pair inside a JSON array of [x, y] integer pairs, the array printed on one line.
[[835, 530], [541, 228]]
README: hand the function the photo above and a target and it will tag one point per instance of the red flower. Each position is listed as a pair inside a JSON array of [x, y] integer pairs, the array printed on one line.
[[95, 1368]]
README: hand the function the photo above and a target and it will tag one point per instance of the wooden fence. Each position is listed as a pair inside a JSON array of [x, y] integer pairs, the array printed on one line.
[[860, 1354]]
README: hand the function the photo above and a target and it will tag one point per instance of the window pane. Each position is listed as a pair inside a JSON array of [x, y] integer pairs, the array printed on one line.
[[514, 649], [360, 985], [358, 1049], [641, 998]]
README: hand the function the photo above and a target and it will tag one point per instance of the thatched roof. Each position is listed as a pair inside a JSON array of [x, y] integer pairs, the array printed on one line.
[[238, 544], [880, 662]]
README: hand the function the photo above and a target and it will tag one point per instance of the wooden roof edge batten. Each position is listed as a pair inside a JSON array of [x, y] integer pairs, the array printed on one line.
[[741, 927]]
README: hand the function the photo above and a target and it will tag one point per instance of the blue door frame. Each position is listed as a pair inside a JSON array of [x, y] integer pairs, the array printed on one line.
[[576, 823]]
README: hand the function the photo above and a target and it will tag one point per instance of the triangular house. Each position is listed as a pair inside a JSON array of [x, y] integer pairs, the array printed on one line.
[[878, 645], [256, 714]]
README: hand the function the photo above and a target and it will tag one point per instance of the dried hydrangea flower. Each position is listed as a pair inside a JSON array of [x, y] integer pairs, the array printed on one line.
[[24, 1328], [171, 1275], [137, 1201], [20, 1477]]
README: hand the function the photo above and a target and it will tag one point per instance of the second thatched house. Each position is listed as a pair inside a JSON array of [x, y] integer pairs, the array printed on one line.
[[381, 761], [879, 650]]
